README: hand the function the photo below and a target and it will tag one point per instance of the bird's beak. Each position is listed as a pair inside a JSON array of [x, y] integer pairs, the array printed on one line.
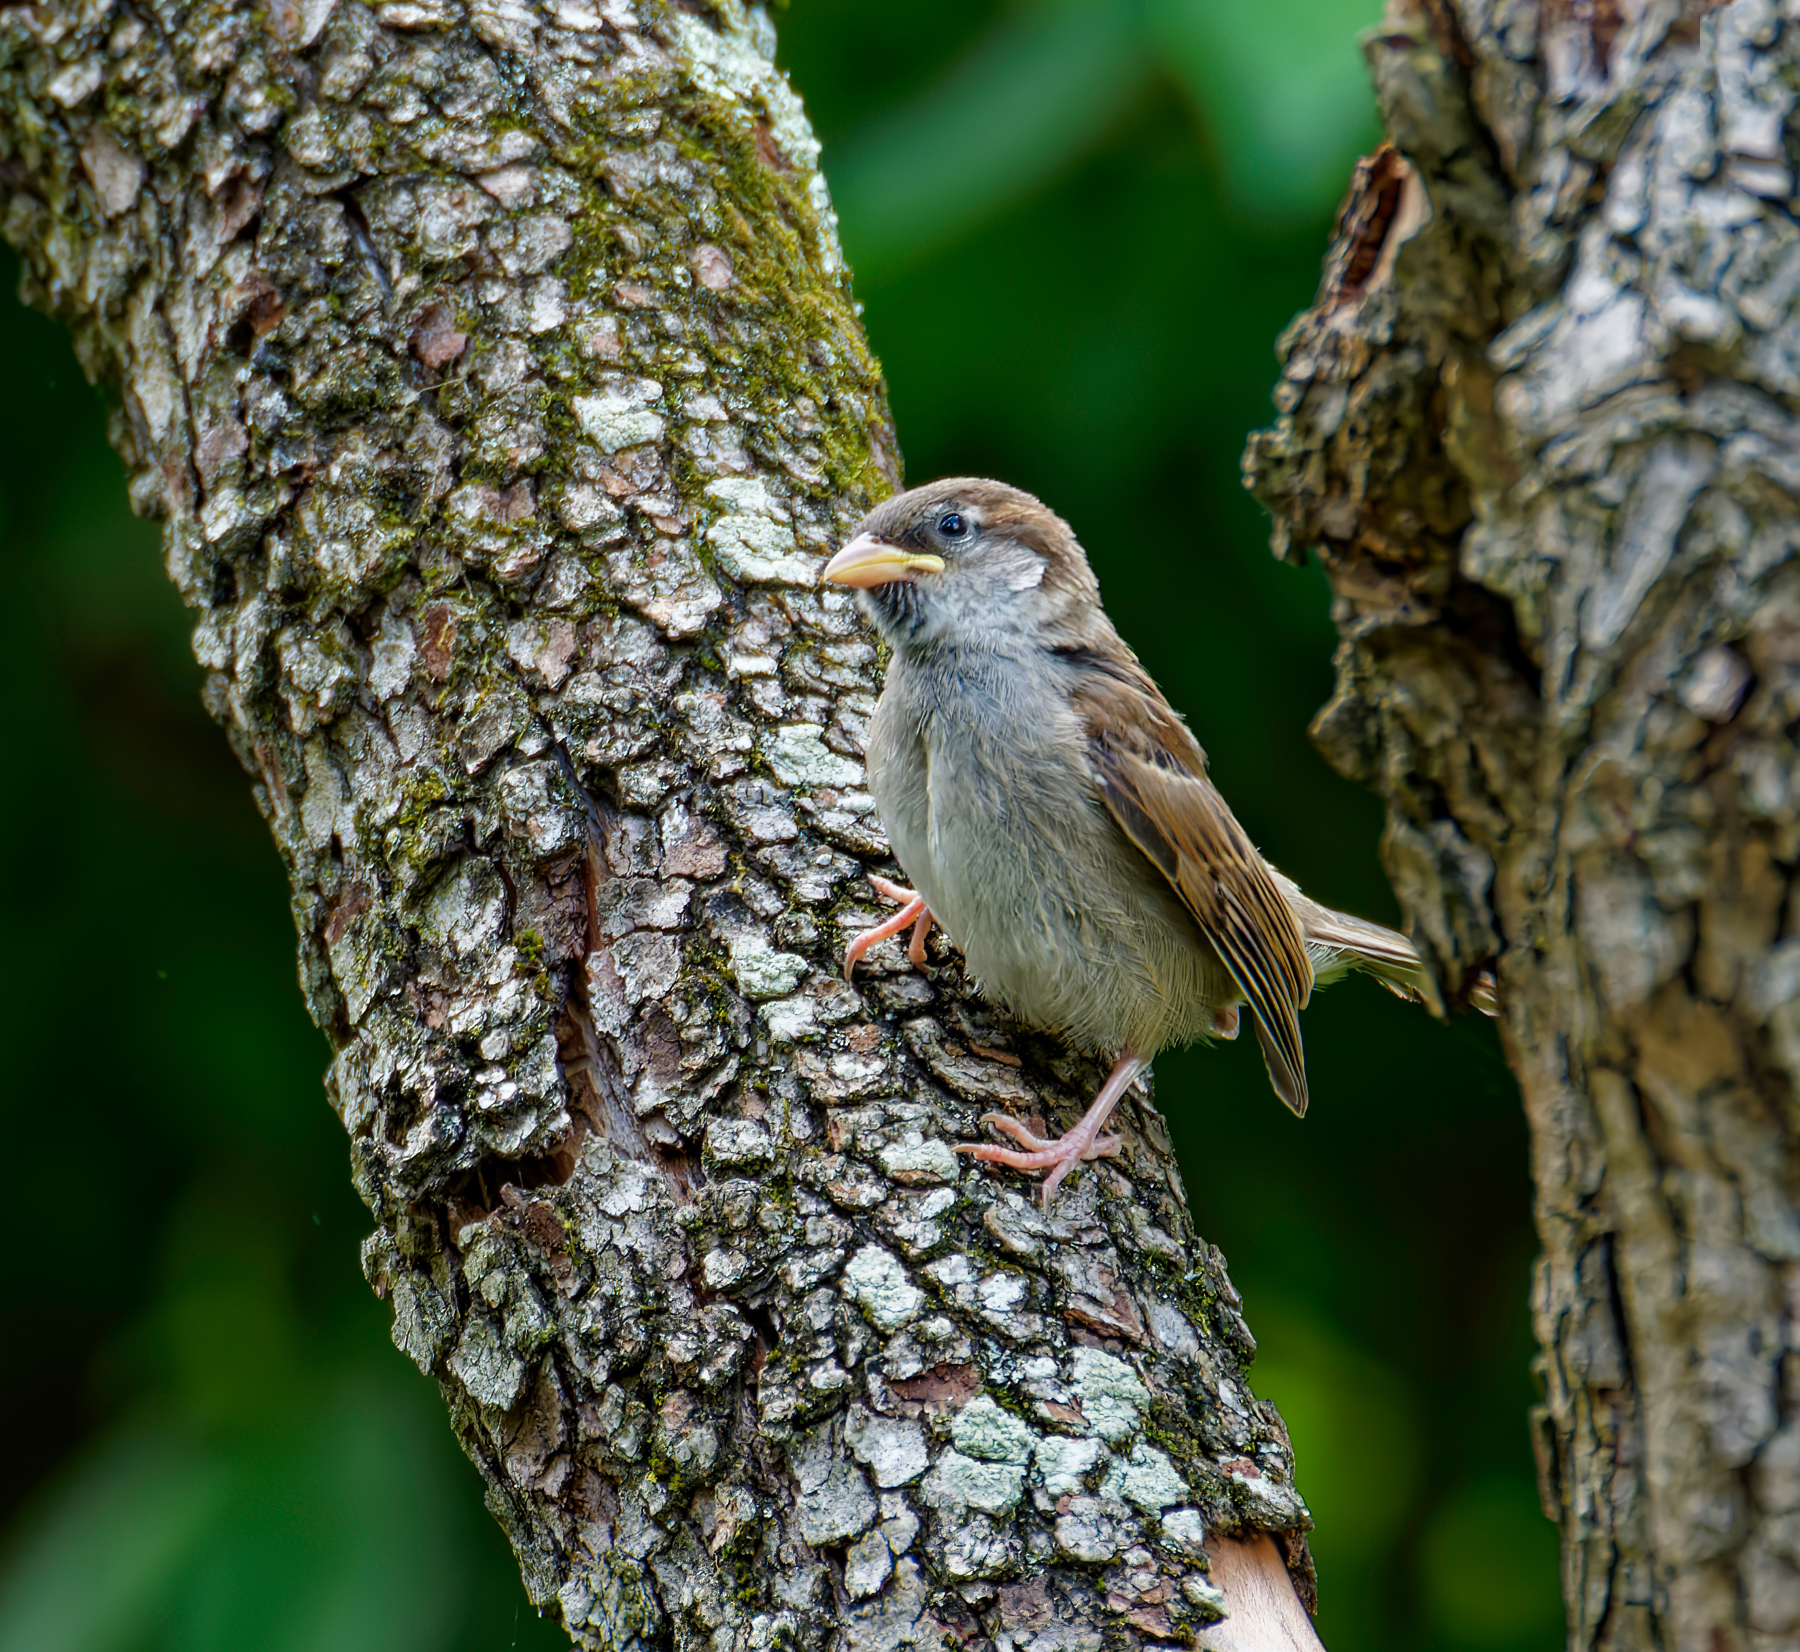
[[867, 561]]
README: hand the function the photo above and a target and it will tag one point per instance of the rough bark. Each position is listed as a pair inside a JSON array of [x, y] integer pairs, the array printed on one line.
[[1541, 429], [495, 373]]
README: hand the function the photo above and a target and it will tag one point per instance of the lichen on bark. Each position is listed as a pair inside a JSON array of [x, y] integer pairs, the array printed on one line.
[[495, 373], [1540, 429]]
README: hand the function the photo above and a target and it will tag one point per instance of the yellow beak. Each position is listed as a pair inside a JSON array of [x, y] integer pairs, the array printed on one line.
[[867, 561]]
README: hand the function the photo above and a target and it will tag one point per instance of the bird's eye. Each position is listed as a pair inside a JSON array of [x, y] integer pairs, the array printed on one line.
[[953, 525]]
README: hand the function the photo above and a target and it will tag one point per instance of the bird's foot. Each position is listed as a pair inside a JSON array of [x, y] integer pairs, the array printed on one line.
[[913, 910], [1058, 1157], [1061, 1156]]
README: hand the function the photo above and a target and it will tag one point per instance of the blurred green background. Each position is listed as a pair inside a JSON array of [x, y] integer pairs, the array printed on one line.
[[1077, 228]]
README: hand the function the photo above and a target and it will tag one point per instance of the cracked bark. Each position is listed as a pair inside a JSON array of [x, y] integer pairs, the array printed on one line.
[[1540, 428], [495, 374]]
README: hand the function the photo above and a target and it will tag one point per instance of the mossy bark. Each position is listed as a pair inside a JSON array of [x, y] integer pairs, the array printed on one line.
[[495, 373], [1540, 429]]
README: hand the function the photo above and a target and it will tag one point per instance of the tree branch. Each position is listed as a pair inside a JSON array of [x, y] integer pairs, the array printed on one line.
[[1540, 429], [496, 376]]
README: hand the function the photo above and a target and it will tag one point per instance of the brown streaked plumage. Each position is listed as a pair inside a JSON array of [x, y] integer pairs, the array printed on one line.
[[1056, 817], [1152, 774]]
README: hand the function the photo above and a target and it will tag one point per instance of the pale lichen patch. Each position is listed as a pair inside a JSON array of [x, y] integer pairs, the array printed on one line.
[[958, 1482], [1145, 1478], [798, 756], [878, 1283], [1112, 1397], [761, 970], [1064, 1464], [621, 415], [982, 1429]]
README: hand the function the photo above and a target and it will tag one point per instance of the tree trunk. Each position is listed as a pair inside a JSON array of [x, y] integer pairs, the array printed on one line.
[[1540, 429], [496, 375]]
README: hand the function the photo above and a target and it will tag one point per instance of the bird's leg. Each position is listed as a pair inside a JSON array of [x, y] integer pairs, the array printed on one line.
[[1061, 1156], [915, 948], [913, 910]]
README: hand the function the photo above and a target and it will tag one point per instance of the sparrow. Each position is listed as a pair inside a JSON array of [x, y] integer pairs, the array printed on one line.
[[1056, 819]]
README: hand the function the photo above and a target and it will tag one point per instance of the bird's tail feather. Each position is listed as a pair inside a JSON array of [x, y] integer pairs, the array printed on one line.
[[1338, 943]]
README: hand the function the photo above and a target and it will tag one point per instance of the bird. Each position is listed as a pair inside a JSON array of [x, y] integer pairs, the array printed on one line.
[[1057, 821]]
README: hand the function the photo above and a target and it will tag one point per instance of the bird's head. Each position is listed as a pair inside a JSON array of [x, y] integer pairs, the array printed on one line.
[[966, 562]]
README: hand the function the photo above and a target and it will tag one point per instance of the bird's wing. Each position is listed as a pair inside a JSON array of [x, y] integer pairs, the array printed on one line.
[[1152, 774]]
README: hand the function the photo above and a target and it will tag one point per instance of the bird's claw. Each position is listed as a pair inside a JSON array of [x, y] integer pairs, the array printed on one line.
[[1058, 1156], [913, 910]]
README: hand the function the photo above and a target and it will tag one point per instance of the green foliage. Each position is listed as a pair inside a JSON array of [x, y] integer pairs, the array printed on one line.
[[1278, 90], [1077, 227], [1482, 1563]]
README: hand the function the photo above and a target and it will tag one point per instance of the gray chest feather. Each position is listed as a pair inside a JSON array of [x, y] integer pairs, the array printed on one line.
[[979, 769]]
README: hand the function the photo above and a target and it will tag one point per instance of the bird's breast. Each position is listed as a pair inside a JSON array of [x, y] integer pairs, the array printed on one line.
[[982, 781]]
